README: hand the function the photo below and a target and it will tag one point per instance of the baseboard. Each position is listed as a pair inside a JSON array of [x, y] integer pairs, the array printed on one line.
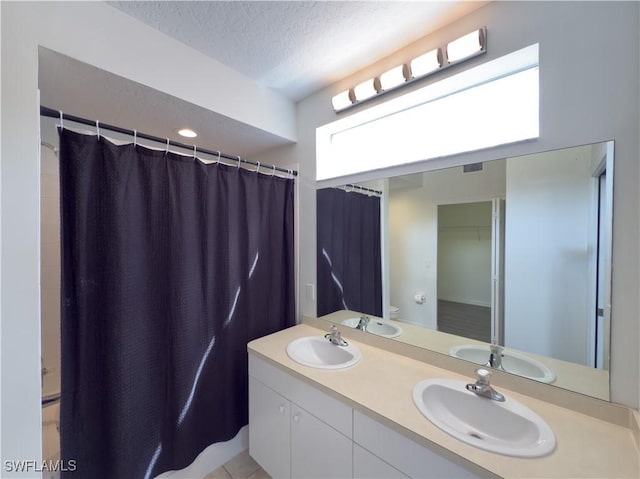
[[471, 302], [212, 457]]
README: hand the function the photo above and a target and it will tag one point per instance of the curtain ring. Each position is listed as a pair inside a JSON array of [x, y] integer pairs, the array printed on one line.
[[218, 157], [135, 138], [195, 152], [61, 120], [258, 168], [239, 160], [274, 170], [98, 129], [167, 150]]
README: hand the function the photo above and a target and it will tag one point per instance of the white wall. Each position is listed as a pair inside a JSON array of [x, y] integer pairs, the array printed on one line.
[[99, 35], [548, 250], [589, 92], [413, 232], [50, 269]]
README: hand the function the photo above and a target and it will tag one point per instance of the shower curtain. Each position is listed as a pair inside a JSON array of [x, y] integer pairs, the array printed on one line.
[[349, 265], [169, 267]]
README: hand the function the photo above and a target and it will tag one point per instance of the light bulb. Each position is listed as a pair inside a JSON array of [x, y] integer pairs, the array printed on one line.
[[425, 64], [187, 132], [465, 46], [392, 78], [341, 100], [365, 90]]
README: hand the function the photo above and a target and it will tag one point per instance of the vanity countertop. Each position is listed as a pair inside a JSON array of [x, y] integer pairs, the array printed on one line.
[[574, 377], [586, 447]]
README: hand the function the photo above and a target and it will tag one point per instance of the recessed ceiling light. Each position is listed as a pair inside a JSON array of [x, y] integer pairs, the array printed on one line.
[[187, 132]]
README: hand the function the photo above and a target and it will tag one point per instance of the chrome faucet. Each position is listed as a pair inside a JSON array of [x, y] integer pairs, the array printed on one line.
[[482, 387], [363, 323], [334, 337], [495, 357]]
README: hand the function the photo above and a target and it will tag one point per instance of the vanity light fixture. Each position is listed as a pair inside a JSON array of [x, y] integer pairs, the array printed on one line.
[[462, 49], [466, 46], [187, 132], [392, 78], [425, 64], [343, 100], [365, 90]]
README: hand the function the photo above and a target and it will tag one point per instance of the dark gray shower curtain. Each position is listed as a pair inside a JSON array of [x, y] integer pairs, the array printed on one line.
[[349, 267], [169, 267]]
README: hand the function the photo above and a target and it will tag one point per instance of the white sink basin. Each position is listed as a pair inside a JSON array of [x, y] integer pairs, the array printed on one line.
[[318, 352], [512, 362], [377, 326], [509, 428]]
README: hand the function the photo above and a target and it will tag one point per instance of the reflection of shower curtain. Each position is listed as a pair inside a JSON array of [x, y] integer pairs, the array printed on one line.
[[349, 264], [170, 267]]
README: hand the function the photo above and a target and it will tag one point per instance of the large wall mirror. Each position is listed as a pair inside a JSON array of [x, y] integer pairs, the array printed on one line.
[[505, 263]]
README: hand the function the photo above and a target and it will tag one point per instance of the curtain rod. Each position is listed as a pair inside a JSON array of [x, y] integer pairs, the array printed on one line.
[[50, 112], [363, 188]]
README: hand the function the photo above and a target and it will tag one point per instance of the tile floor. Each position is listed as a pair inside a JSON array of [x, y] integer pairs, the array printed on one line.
[[240, 467]]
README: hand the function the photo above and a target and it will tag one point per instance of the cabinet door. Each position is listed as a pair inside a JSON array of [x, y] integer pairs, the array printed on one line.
[[317, 450], [368, 466], [269, 430]]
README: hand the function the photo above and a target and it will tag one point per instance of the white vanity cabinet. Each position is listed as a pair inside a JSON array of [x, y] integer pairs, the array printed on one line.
[[318, 450], [297, 431], [270, 429], [369, 466]]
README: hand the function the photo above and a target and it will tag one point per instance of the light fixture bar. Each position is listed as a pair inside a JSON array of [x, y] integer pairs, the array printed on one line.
[[457, 51]]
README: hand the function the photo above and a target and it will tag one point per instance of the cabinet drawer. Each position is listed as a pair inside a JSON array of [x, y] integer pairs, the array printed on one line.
[[411, 458], [323, 406]]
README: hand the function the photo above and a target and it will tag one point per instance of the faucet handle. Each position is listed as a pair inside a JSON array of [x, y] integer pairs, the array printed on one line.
[[496, 348], [483, 375], [334, 337], [482, 386]]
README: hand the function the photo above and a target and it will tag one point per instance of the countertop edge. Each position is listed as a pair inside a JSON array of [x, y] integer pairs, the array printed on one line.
[[500, 466], [635, 427]]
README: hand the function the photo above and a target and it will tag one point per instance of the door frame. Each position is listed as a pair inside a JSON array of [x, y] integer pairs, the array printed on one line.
[[497, 275]]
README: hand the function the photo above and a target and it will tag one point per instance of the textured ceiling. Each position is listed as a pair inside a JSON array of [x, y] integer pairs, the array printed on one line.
[[297, 47]]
